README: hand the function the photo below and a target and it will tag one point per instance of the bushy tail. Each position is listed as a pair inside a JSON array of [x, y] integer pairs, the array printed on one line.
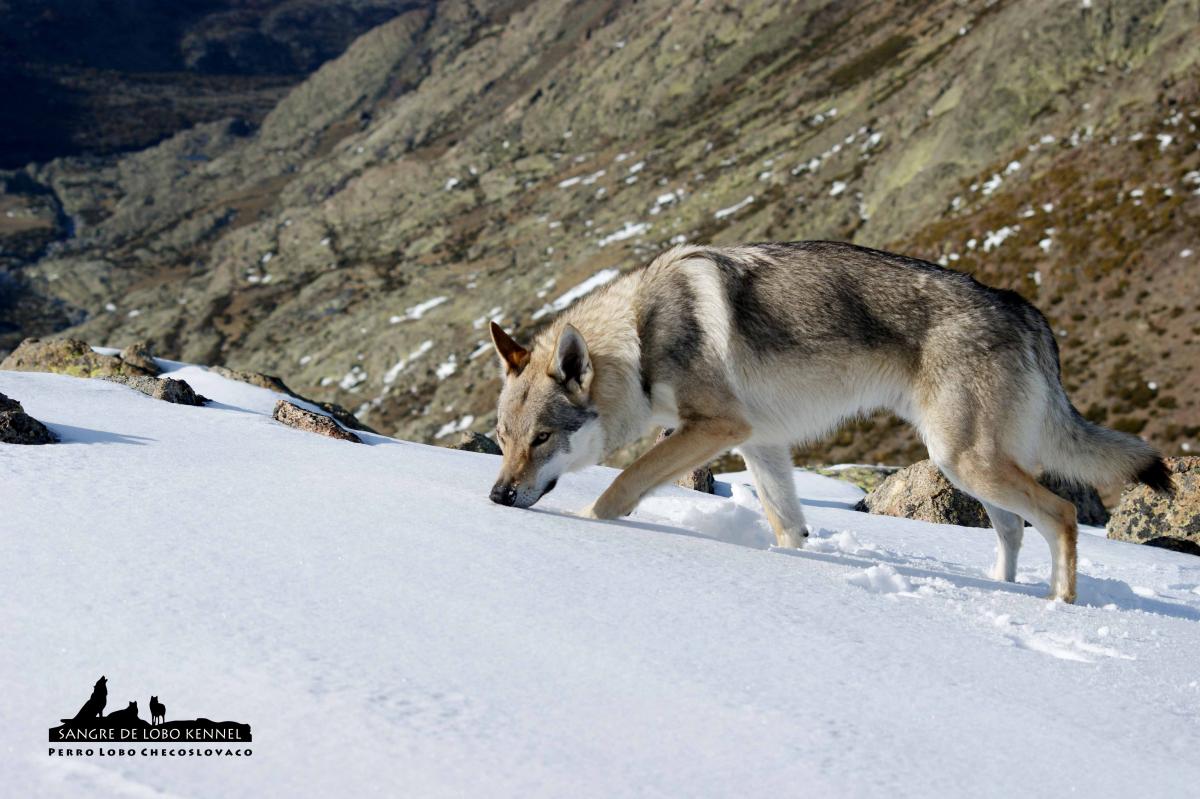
[[1077, 449]]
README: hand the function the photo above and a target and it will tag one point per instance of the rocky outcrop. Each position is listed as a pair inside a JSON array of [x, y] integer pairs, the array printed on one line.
[[301, 419], [922, 492], [1146, 517], [69, 357], [161, 388], [18, 427], [471, 441]]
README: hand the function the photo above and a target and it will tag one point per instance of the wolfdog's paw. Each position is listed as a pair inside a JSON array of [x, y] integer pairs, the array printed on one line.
[[600, 510], [1068, 597], [790, 540]]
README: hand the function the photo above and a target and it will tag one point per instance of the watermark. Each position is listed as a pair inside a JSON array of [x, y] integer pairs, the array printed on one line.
[[90, 733]]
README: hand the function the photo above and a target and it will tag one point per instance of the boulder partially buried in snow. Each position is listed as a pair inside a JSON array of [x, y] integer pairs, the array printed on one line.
[[922, 492], [165, 388], [299, 418], [273, 383], [69, 357], [18, 427], [270, 382], [1145, 517]]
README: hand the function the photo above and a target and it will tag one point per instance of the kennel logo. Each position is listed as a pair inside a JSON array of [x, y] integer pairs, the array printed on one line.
[[125, 725]]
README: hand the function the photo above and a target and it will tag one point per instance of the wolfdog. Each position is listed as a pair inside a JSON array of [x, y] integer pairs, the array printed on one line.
[[766, 346]]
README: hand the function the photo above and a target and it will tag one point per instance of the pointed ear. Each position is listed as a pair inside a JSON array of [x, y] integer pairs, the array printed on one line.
[[512, 355], [571, 365]]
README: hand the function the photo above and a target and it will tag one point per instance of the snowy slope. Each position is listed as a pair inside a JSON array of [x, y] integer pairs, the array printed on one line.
[[384, 628]]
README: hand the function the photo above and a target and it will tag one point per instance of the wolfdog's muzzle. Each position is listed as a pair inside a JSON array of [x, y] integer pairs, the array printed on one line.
[[508, 494]]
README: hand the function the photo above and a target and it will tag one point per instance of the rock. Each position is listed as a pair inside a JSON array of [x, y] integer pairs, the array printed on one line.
[[9, 404], [18, 427], [69, 357], [476, 442], [345, 417], [273, 383], [922, 492], [269, 382], [161, 388], [1143, 516], [1175, 544], [138, 355], [700, 479], [865, 477], [299, 418]]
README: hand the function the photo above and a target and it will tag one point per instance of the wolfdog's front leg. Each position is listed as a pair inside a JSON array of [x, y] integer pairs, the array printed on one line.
[[694, 443]]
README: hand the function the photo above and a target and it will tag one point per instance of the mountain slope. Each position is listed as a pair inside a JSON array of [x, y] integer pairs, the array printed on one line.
[[383, 627], [91, 77], [479, 160]]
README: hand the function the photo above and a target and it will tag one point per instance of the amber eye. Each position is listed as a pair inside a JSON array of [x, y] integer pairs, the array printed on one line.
[[539, 439]]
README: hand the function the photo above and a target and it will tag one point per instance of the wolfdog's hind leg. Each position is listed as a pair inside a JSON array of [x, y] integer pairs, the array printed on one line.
[[772, 470], [1001, 482], [1010, 529]]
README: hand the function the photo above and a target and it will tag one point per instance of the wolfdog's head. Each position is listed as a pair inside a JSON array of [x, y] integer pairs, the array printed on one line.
[[547, 422]]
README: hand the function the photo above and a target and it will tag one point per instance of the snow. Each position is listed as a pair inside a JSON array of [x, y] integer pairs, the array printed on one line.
[[447, 367], [574, 293], [994, 238], [455, 426], [385, 629], [353, 379], [419, 310], [585, 180], [627, 231], [733, 209], [494, 315], [390, 376]]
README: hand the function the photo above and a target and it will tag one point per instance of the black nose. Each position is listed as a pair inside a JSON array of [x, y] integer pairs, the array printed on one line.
[[503, 494]]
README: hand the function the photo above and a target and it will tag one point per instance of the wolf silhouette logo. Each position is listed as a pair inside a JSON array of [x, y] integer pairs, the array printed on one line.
[[158, 711], [90, 724], [94, 707]]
